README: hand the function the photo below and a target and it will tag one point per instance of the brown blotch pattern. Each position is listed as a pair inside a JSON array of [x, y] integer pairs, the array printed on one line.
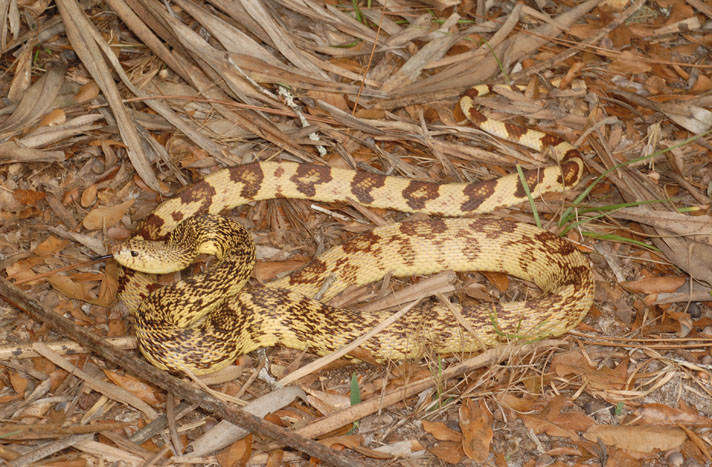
[[472, 249], [476, 117], [250, 176], [550, 140], [533, 178], [363, 183], [571, 153], [515, 131], [201, 191], [476, 194], [526, 258], [150, 227], [472, 92], [308, 176], [307, 274], [493, 228], [363, 243], [347, 271], [571, 173], [406, 253], [425, 229], [417, 193], [565, 248]]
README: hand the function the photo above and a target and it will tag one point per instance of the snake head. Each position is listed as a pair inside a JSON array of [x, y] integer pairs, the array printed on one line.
[[150, 257]]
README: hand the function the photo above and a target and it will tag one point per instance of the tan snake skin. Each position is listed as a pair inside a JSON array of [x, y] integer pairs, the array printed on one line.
[[177, 331]]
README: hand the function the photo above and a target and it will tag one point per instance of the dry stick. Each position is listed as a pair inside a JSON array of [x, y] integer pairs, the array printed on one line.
[[48, 449], [168, 383], [157, 425], [65, 347]]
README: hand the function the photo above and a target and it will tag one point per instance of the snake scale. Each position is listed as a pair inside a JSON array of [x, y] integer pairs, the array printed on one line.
[[203, 323]]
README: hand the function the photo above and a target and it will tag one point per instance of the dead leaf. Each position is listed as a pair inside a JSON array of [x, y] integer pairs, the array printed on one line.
[[644, 438], [499, 280], [440, 431], [109, 285], [665, 284], [268, 270], [71, 289], [555, 423], [660, 414], [50, 246], [628, 62], [476, 426], [88, 196], [274, 458], [542, 425], [703, 84], [448, 451], [515, 403], [102, 217], [87, 92], [28, 197], [55, 117], [238, 453], [18, 382], [135, 386], [574, 363]]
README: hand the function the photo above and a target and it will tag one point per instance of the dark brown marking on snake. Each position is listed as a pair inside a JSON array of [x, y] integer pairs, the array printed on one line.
[[347, 271], [150, 227], [308, 176], [526, 258], [418, 193], [250, 176], [307, 273], [364, 183], [472, 93], [571, 153], [426, 229], [471, 249], [571, 171], [475, 116], [533, 178], [201, 191], [493, 228], [405, 250], [476, 194], [363, 243], [550, 140], [279, 172], [564, 248], [177, 216], [515, 131]]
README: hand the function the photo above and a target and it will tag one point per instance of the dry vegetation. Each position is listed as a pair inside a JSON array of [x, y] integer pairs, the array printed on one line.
[[110, 107]]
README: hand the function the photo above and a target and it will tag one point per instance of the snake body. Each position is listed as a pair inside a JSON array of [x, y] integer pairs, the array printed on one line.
[[203, 323]]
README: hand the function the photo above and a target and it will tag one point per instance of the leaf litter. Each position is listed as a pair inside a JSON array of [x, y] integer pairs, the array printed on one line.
[[112, 106]]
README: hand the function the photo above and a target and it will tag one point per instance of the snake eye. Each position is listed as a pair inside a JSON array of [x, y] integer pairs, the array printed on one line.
[[134, 253]]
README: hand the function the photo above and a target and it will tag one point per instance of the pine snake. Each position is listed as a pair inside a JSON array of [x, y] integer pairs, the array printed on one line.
[[202, 324]]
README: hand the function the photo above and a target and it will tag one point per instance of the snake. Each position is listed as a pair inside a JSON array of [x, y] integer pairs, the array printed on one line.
[[203, 323]]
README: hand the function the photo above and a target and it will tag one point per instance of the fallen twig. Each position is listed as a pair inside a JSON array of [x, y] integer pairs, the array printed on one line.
[[169, 383]]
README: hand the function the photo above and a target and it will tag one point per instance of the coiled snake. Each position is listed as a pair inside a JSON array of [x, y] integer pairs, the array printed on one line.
[[203, 323]]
